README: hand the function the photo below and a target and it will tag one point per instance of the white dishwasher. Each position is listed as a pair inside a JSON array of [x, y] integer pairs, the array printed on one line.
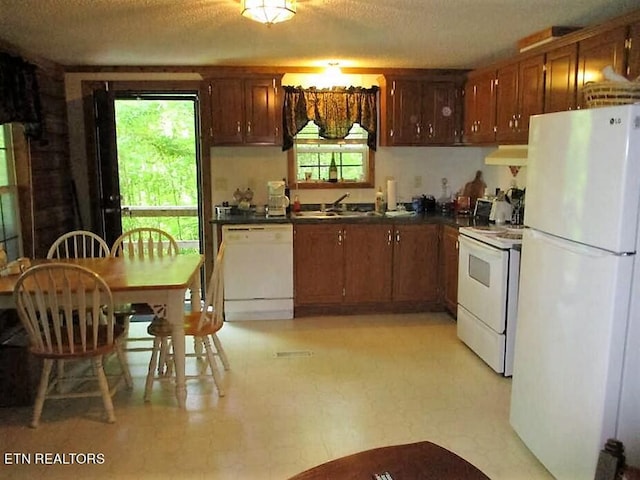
[[258, 271]]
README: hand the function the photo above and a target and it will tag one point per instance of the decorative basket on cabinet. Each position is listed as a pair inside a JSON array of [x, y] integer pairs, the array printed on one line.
[[606, 94]]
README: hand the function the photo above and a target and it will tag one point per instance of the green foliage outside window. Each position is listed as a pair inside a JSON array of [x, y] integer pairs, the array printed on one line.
[[157, 162]]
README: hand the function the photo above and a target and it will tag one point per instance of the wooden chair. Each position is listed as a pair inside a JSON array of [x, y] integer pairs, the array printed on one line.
[[67, 311], [145, 242], [79, 244], [203, 327], [83, 244]]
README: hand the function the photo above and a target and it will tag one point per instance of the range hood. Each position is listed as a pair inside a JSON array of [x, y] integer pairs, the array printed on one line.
[[510, 155]]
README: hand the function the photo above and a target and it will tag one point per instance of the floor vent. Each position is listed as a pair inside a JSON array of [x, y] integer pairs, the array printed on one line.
[[292, 354]]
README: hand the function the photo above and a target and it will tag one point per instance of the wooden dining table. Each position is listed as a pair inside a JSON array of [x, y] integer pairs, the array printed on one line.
[[155, 281]]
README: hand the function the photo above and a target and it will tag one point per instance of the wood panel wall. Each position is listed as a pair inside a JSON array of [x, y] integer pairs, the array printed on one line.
[[43, 166]]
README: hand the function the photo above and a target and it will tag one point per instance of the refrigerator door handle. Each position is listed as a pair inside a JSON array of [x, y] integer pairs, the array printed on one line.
[[569, 245]]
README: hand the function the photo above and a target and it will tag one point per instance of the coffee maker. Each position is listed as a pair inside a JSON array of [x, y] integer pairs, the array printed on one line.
[[278, 201]]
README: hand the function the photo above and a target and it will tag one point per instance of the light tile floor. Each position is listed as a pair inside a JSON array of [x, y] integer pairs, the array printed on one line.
[[369, 381]]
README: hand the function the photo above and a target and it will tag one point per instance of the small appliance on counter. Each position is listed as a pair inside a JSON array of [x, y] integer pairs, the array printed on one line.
[[501, 209], [482, 209], [515, 196], [424, 203], [277, 200]]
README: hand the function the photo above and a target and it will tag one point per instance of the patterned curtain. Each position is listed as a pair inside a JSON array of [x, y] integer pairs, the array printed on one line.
[[334, 111], [19, 97]]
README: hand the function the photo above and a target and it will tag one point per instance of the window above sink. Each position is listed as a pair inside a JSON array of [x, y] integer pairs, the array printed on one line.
[[311, 155], [322, 126]]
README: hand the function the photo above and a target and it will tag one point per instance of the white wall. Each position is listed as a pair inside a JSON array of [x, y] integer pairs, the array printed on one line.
[[417, 170]]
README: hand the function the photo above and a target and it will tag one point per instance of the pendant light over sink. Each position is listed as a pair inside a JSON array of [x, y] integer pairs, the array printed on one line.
[[269, 11]]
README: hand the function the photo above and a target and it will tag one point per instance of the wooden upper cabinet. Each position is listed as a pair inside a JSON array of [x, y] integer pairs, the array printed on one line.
[[506, 103], [560, 79], [480, 108], [227, 115], [633, 44], [245, 111], [406, 113], [417, 111], [262, 111], [520, 94], [441, 112], [597, 52]]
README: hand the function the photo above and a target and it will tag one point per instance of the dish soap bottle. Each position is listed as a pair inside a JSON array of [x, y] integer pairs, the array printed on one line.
[[333, 169], [296, 205], [379, 205]]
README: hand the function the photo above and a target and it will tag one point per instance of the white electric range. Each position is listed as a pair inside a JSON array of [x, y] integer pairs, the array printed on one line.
[[488, 276]]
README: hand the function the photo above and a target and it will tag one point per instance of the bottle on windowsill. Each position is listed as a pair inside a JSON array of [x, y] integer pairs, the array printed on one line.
[[333, 169]]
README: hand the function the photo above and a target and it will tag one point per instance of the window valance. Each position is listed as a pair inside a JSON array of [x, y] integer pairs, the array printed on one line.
[[333, 110], [19, 96]]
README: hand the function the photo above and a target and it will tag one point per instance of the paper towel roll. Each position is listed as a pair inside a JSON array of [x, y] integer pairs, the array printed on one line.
[[391, 195]]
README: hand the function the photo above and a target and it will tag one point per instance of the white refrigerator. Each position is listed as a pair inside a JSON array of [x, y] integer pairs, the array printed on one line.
[[576, 379]]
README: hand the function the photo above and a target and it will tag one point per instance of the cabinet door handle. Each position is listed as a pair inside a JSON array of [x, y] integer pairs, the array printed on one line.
[[339, 237], [457, 244], [430, 131], [397, 236], [418, 128], [238, 127], [249, 128], [389, 237]]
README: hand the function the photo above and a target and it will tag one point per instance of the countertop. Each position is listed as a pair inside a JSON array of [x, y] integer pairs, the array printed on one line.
[[426, 218]]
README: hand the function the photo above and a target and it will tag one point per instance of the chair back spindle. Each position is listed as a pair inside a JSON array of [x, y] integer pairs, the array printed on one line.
[[145, 242], [79, 244]]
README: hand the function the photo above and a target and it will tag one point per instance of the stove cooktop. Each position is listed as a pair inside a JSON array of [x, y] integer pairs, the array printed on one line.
[[500, 236]]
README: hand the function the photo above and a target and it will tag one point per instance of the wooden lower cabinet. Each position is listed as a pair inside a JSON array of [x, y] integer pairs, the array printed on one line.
[[353, 265], [449, 269], [318, 263], [415, 263], [367, 269]]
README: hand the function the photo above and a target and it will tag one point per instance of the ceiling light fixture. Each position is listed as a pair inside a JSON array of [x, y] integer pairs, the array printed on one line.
[[269, 11]]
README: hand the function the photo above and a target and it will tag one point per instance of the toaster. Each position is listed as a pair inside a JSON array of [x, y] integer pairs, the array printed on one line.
[[482, 209]]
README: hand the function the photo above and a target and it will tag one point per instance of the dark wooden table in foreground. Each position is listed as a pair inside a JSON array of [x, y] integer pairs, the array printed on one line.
[[414, 461]]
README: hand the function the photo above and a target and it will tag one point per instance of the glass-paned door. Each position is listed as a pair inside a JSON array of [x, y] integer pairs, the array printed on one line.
[[157, 165]]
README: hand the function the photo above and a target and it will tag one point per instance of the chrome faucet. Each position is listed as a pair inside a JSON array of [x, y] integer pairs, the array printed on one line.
[[336, 204]]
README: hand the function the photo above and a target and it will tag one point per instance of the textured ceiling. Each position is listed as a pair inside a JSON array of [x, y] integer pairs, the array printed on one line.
[[359, 33]]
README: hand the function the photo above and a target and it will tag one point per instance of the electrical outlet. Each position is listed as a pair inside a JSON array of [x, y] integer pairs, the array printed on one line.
[[417, 181]]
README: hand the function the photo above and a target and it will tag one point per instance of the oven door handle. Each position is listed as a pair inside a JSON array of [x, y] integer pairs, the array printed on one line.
[[474, 246]]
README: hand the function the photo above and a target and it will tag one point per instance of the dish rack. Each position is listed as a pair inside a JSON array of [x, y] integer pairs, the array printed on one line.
[[606, 94]]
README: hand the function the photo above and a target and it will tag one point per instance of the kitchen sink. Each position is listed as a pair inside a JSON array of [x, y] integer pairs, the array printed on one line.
[[317, 214]]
